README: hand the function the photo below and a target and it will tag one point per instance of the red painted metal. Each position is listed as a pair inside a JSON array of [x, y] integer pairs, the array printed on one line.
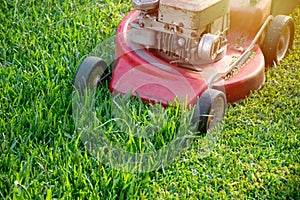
[[138, 70]]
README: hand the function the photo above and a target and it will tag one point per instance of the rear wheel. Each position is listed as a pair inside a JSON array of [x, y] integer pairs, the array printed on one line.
[[90, 73], [279, 39], [210, 110]]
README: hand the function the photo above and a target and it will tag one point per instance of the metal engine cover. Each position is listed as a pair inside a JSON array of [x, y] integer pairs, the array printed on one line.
[[145, 4], [192, 14]]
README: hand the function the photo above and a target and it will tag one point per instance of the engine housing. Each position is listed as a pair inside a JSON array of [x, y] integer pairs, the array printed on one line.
[[183, 31]]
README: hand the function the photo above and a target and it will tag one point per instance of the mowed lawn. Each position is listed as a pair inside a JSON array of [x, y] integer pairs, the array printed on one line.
[[41, 155]]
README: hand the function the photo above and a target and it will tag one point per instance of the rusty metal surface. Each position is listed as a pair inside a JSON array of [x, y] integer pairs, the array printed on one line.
[[190, 5], [145, 4], [189, 13]]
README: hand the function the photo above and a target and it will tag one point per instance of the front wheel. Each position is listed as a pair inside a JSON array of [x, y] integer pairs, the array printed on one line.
[[210, 110], [279, 39], [90, 73]]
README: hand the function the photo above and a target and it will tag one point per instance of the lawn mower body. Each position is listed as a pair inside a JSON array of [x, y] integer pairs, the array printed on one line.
[[198, 52], [138, 70]]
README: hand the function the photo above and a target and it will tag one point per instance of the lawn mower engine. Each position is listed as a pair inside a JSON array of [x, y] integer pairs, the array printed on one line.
[[182, 31]]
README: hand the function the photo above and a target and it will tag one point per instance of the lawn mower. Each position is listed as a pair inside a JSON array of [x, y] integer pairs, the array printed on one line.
[[208, 52]]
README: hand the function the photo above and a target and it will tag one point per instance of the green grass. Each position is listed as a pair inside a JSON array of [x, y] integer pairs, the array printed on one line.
[[41, 155]]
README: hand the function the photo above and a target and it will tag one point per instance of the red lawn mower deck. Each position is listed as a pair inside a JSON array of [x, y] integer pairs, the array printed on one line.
[[203, 53]]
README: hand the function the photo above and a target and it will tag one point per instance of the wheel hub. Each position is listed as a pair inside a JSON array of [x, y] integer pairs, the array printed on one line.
[[283, 43], [216, 112]]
